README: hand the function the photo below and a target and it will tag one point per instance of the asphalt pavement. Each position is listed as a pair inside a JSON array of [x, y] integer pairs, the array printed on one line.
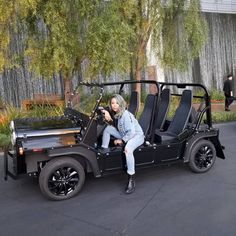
[[168, 201]]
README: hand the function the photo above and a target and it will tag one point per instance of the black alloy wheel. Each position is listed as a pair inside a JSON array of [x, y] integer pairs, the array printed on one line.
[[63, 181], [202, 157], [61, 178]]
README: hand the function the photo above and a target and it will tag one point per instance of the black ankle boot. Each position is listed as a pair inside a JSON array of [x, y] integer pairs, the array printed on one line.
[[131, 184]]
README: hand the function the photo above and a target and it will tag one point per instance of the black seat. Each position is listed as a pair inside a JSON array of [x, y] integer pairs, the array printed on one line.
[[146, 118], [133, 103], [162, 109], [180, 119]]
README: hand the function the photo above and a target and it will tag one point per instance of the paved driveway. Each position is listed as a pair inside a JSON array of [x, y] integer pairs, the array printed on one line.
[[169, 201]]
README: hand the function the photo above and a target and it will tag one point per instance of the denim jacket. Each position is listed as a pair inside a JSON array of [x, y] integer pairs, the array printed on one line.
[[128, 126]]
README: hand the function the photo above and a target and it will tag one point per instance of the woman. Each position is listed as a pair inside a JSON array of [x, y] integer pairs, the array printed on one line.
[[128, 131]]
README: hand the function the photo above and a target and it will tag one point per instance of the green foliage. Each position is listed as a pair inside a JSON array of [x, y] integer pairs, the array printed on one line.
[[45, 110], [184, 33], [55, 42], [98, 36], [216, 95], [108, 41], [59, 36], [5, 118], [196, 28], [199, 92], [218, 117], [5, 140]]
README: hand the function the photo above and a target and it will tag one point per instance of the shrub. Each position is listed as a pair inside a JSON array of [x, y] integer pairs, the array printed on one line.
[[215, 94]]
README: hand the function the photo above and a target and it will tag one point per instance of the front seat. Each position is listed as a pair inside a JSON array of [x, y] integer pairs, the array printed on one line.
[[146, 118]]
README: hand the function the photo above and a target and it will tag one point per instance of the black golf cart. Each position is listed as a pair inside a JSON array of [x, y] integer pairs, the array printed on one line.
[[60, 151]]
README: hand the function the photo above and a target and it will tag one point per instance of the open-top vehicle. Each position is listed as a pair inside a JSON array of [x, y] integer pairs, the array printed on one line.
[[60, 151]]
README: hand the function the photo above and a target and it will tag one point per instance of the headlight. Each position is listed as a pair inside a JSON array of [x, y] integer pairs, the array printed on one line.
[[13, 134]]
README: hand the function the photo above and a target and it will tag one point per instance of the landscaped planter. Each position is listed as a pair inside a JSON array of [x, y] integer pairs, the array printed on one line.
[[217, 101]]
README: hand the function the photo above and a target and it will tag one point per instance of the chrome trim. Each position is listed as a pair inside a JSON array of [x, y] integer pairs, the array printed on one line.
[[13, 134], [39, 133]]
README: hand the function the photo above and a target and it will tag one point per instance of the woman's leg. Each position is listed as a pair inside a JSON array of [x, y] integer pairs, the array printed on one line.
[[108, 131], [131, 145]]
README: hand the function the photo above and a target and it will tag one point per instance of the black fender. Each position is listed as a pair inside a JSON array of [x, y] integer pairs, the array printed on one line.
[[212, 135], [82, 151]]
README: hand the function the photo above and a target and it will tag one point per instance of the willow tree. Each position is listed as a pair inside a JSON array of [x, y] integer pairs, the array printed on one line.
[[176, 31], [102, 35], [59, 36]]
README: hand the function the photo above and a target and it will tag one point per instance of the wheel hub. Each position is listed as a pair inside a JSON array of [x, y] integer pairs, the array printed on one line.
[[204, 157], [63, 181]]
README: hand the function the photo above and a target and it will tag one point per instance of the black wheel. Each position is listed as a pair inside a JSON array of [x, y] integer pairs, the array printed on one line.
[[61, 178], [202, 156]]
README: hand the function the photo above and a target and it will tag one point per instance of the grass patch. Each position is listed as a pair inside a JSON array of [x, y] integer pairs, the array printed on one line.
[[219, 117]]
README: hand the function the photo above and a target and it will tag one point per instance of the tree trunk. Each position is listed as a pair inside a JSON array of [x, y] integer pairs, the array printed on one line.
[[141, 54], [152, 75], [138, 76], [68, 91]]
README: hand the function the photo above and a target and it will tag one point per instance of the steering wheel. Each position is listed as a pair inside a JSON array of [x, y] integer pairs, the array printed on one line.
[[77, 117], [101, 116]]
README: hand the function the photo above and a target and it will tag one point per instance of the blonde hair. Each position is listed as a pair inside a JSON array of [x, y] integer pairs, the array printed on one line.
[[122, 104]]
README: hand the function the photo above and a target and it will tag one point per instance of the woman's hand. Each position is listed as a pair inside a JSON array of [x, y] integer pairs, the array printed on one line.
[[107, 116], [118, 142]]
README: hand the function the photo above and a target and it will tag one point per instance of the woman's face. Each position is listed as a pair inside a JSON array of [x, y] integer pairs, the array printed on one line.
[[114, 105]]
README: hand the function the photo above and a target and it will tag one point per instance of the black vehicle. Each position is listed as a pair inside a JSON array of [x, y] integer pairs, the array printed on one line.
[[60, 151]]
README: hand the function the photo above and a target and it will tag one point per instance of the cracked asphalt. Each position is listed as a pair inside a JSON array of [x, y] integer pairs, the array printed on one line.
[[168, 201]]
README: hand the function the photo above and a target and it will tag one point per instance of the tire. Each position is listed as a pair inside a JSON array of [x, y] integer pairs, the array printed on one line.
[[61, 178], [202, 156]]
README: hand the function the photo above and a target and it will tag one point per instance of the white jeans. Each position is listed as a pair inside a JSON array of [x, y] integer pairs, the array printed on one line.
[[130, 146]]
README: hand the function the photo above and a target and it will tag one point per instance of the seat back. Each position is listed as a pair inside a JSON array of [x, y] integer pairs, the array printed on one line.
[[181, 117], [133, 103], [162, 108], [146, 118]]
